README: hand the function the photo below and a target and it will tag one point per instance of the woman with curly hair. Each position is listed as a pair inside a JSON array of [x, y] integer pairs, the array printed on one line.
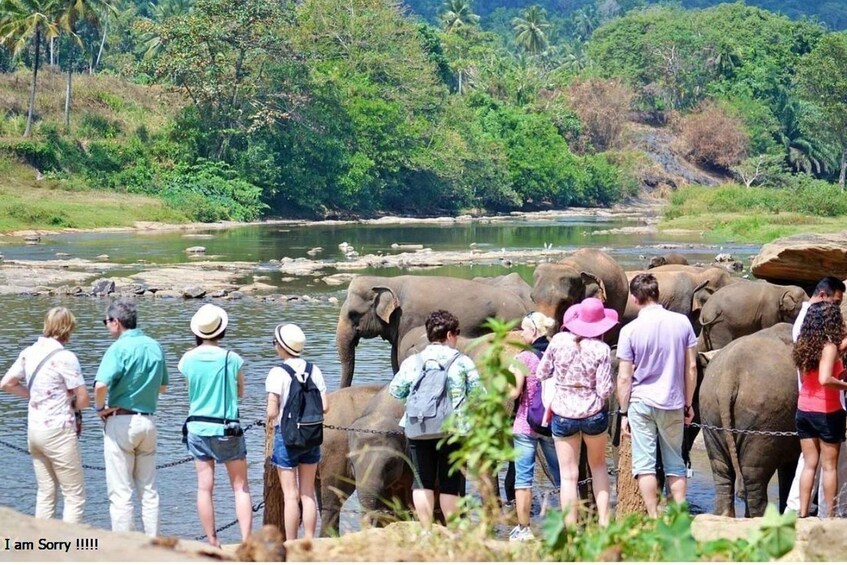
[[821, 418]]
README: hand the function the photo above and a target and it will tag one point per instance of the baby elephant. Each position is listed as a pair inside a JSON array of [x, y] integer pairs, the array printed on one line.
[[667, 259]]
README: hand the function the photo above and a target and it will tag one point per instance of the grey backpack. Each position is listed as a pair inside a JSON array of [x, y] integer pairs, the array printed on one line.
[[429, 404]]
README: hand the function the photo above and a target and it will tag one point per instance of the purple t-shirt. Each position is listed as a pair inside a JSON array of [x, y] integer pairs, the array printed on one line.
[[656, 342]]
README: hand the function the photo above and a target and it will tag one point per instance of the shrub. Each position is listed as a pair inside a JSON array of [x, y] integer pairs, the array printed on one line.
[[602, 107], [36, 154], [710, 136], [95, 125]]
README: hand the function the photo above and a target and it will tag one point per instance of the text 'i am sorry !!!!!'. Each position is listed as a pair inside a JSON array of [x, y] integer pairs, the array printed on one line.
[[44, 544]]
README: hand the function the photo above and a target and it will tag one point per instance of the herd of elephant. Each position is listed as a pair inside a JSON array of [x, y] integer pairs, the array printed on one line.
[[746, 378]]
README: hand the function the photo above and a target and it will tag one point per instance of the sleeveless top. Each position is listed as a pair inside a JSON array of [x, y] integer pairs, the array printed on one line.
[[815, 397]]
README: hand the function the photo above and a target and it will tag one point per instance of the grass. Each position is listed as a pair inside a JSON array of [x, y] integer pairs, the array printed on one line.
[[757, 215], [27, 203]]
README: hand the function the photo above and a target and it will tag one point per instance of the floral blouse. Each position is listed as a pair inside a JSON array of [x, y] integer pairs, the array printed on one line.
[[583, 372], [49, 397]]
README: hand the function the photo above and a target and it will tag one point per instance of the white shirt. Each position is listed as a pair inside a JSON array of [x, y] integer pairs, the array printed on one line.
[[279, 381], [49, 396]]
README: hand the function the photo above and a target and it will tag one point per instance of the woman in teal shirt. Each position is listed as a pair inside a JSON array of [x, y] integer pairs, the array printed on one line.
[[212, 431]]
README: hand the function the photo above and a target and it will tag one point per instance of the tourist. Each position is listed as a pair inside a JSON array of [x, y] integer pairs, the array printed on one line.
[[212, 431], [828, 289], [296, 463], [535, 328], [50, 378], [431, 457], [821, 418], [657, 377], [133, 374], [581, 364]]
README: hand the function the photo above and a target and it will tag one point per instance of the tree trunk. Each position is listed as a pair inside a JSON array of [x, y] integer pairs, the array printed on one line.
[[843, 176], [629, 497], [274, 505], [102, 43], [30, 112], [52, 45], [68, 88]]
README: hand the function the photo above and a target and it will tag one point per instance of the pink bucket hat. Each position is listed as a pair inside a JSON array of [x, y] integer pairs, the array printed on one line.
[[589, 318]]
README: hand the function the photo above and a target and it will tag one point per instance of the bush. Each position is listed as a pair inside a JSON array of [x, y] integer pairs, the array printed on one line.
[[36, 154], [602, 107], [710, 136], [95, 125]]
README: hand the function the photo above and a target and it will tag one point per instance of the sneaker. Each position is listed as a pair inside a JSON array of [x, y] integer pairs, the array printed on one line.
[[521, 534]]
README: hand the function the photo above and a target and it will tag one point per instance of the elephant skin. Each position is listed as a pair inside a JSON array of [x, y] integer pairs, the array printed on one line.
[[588, 272], [388, 307], [416, 341], [751, 384], [744, 308], [335, 474], [667, 259], [512, 282]]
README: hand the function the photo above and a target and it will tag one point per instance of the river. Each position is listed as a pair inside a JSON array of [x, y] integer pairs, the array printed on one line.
[[251, 324]]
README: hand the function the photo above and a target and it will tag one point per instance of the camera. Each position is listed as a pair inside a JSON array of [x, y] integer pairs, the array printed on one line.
[[233, 429]]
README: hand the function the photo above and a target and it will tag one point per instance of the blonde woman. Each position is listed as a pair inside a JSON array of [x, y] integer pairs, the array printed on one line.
[[50, 378], [535, 327]]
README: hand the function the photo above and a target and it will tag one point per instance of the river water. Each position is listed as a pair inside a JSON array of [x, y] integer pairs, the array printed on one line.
[[251, 324]]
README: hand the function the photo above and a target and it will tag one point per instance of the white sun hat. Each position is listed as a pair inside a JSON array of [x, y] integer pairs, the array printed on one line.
[[291, 338], [209, 321]]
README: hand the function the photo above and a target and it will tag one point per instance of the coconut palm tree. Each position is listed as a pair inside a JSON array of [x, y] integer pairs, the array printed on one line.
[[21, 20], [151, 40], [531, 29], [803, 151], [457, 15], [90, 11]]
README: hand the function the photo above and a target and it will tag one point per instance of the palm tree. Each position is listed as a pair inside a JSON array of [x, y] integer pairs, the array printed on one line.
[[89, 11], [21, 20], [151, 40], [457, 14], [803, 152], [531, 29]]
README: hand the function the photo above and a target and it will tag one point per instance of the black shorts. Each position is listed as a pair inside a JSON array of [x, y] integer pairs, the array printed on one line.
[[432, 467], [828, 427]]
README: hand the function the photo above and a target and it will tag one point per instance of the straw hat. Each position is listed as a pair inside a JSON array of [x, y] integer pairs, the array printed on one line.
[[291, 338], [209, 321], [589, 318]]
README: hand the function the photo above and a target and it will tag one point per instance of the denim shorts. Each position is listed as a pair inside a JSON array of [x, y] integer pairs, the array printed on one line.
[[286, 457], [650, 426], [219, 449], [826, 426], [525, 445], [590, 426]]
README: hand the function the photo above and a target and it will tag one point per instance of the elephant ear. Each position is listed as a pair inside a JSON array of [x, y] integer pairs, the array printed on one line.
[[697, 300], [788, 305], [600, 292], [385, 302]]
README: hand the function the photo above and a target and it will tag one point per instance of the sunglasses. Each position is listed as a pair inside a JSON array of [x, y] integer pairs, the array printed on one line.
[[107, 320], [275, 343]]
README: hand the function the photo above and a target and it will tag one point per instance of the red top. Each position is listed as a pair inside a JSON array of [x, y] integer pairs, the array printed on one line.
[[815, 397]]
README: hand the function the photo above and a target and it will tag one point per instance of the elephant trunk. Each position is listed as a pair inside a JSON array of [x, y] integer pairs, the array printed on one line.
[[345, 342]]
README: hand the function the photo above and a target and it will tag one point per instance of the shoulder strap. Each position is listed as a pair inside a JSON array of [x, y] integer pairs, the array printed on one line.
[[226, 384], [41, 364]]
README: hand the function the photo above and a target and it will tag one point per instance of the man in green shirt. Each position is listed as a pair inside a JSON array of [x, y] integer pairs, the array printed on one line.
[[133, 373]]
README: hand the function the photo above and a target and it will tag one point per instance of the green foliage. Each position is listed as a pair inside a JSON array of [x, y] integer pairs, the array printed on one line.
[[667, 538], [95, 125], [37, 154]]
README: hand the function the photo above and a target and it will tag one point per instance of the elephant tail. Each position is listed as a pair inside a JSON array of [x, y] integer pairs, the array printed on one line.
[[706, 328], [727, 408]]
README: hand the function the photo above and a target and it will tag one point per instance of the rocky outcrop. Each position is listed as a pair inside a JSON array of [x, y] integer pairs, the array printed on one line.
[[802, 259]]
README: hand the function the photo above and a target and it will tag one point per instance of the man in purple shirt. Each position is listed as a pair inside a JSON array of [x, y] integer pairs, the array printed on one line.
[[656, 381]]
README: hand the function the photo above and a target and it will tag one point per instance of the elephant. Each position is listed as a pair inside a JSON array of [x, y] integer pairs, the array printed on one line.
[[718, 277], [388, 307], [588, 272], [416, 341], [744, 308], [513, 282], [335, 475], [667, 259], [732, 395]]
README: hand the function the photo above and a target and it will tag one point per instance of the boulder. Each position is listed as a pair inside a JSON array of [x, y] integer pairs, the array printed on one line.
[[802, 259], [102, 287], [197, 250], [193, 291]]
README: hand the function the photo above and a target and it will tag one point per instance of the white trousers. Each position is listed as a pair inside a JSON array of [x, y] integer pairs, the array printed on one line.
[[129, 447], [55, 458], [841, 500]]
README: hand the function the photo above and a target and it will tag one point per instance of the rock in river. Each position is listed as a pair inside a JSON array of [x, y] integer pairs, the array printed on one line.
[[193, 291], [197, 250], [802, 259], [102, 287]]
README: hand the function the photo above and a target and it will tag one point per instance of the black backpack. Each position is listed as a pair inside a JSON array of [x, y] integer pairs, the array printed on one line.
[[303, 414]]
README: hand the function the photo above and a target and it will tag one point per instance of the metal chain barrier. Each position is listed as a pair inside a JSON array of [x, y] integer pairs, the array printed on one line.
[[742, 432], [256, 508], [364, 431]]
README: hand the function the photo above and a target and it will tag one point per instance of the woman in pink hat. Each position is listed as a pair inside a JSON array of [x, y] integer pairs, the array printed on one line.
[[582, 366]]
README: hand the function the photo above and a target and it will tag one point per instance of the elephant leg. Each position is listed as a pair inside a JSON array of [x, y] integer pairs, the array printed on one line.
[[722, 472], [332, 492], [758, 465], [785, 474]]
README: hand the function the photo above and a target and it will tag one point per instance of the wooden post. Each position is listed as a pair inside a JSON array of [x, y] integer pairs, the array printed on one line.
[[629, 497], [272, 490]]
